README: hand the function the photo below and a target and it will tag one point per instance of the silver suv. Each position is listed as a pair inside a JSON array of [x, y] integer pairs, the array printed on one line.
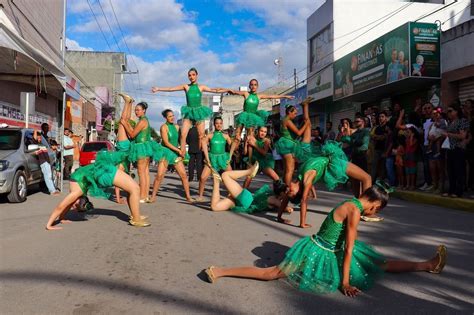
[[19, 166]]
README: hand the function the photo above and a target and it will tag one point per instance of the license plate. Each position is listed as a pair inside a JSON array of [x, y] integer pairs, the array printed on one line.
[[92, 161]]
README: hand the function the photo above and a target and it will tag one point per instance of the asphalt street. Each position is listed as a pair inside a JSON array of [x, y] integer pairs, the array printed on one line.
[[100, 264]]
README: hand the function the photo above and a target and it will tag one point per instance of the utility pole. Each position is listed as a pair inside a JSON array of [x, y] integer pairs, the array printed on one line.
[[295, 78]]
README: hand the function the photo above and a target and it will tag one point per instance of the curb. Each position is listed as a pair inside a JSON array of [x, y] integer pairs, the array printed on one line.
[[447, 202]]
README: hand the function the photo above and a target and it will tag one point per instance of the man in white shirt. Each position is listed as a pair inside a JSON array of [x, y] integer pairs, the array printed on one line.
[[68, 153], [427, 109]]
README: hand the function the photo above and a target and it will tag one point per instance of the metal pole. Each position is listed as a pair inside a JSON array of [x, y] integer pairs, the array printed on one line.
[[27, 110], [61, 140], [294, 76]]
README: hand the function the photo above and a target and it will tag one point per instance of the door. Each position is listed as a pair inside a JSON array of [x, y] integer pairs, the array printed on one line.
[[34, 171]]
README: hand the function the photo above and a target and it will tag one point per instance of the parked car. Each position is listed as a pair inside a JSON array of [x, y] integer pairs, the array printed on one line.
[[89, 151], [19, 166]]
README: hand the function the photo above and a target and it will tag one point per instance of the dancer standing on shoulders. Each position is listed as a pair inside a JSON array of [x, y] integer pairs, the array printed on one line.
[[333, 259], [193, 112], [262, 154], [172, 155], [215, 155], [251, 117]]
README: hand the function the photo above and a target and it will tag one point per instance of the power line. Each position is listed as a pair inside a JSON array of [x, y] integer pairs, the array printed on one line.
[[457, 14], [98, 24], [107, 21]]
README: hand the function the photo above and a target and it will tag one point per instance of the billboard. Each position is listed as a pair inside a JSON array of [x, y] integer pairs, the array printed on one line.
[[389, 58], [321, 49], [320, 84], [299, 94]]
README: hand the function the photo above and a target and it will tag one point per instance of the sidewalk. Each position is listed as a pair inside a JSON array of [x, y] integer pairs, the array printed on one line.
[[437, 200]]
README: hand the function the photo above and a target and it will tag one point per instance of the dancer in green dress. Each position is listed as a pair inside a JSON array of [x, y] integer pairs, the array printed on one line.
[[215, 155], [333, 259], [142, 148], [331, 167], [262, 154], [123, 143], [93, 180], [241, 200], [289, 146], [251, 117], [193, 112], [172, 155]]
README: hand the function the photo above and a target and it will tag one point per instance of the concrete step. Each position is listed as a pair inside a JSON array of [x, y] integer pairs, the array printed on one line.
[[437, 200]]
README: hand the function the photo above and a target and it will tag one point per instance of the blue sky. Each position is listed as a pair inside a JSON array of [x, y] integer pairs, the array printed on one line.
[[228, 41]]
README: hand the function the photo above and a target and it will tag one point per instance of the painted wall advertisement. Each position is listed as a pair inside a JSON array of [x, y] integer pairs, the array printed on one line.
[[411, 49], [299, 94]]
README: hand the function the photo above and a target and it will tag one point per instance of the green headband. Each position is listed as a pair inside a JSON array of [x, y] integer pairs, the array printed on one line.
[[388, 189]]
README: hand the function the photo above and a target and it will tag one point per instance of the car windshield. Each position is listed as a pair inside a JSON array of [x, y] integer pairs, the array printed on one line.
[[10, 139], [94, 146]]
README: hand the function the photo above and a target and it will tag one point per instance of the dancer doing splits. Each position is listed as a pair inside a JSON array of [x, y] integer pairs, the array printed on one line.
[[333, 258]]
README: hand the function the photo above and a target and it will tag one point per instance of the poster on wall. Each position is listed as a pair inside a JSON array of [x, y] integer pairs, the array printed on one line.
[[409, 50], [321, 46], [424, 47], [299, 94], [320, 84]]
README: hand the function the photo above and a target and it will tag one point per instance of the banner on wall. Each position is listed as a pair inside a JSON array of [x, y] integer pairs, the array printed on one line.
[[411, 50], [299, 94], [320, 84]]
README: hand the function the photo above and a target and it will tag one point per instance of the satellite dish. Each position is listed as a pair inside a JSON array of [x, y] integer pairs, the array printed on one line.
[[276, 62]]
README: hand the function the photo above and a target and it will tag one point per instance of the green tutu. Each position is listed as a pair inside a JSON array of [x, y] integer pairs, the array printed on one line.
[[196, 113], [264, 162], [300, 150], [313, 265], [124, 146], [219, 161], [143, 150], [330, 166], [248, 203], [95, 178], [251, 120], [169, 155]]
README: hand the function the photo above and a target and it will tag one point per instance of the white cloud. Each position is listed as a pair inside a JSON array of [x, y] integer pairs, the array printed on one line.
[[73, 45]]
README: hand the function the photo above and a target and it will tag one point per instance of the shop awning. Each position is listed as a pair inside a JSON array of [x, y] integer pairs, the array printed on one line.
[[11, 39]]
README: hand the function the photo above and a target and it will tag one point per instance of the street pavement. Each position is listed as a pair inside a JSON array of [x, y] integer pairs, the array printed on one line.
[[99, 264]]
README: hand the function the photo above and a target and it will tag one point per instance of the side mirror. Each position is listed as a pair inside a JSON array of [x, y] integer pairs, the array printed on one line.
[[32, 147]]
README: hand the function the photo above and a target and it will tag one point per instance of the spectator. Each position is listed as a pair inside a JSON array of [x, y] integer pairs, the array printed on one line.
[[330, 134], [427, 110], [468, 112], [379, 137], [435, 139], [316, 138], [45, 163], [399, 158], [344, 135], [410, 162], [457, 130], [195, 154], [45, 132], [68, 153]]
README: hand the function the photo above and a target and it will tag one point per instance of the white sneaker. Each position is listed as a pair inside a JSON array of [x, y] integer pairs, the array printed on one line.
[[424, 187], [429, 188]]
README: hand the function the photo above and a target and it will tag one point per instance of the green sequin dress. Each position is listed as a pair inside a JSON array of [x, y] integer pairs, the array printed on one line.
[[247, 202], [95, 178], [314, 263], [330, 166], [173, 137], [289, 143], [251, 117], [143, 146], [194, 110], [264, 161], [218, 157]]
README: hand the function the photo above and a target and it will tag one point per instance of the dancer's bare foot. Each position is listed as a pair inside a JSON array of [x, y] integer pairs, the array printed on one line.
[[284, 221], [305, 226], [307, 100], [65, 221], [53, 227]]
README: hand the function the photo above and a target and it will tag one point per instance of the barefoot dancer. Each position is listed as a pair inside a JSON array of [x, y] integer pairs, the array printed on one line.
[[142, 148], [93, 179], [333, 258], [251, 117], [332, 168], [123, 143], [241, 200], [193, 111], [214, 154], [172, 155], [262, 154], [288, 146]]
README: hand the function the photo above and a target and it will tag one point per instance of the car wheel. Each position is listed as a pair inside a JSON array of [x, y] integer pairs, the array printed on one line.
[[19, 188]]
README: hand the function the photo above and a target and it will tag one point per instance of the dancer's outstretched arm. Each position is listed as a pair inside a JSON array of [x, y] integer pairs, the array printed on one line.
[[241, 93], [214, 90], [275, 97], [308, 184], [133, 132], [181, 87]]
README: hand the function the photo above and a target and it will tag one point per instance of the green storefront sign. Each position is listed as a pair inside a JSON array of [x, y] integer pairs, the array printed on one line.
[[409, 50]]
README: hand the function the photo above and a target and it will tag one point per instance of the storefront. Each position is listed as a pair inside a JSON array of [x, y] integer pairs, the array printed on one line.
[[400, 66]]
